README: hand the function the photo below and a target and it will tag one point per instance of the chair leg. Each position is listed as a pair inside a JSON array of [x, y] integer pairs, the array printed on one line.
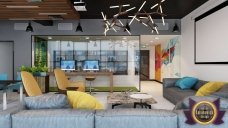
[[90, 88]]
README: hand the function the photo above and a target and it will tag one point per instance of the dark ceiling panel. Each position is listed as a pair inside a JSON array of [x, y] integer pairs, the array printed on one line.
[[175, 9]]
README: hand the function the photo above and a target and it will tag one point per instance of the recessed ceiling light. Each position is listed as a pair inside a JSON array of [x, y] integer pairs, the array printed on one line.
[[52, 13], [21, 6], [87, 38], [124, 38], [143, 46], [151, 41], [156, 38], [49, 37]]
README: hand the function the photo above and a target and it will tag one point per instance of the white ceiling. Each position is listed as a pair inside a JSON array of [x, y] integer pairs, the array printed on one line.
[[150, 39]]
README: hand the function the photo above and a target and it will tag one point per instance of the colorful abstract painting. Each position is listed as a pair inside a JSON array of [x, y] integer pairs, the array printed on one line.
[[171, 58], [158, 62]]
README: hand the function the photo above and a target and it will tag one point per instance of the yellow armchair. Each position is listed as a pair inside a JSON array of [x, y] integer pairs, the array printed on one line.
[[64, 84], [30, 84]]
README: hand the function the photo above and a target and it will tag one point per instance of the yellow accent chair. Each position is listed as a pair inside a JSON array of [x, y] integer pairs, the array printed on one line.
[[30, 84], [64, 84]]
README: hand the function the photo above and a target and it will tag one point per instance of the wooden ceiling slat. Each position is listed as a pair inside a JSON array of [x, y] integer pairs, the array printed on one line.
[[47, 6]]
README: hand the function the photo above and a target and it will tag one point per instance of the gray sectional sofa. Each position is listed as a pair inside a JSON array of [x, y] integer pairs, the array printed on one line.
[[175, 94], [115, 118]]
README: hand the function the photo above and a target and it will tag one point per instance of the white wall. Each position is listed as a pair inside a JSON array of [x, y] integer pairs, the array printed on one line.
[[188, 68], [152, 62], [6, 59]]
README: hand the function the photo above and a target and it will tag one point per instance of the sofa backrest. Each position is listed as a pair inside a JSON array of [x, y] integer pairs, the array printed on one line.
[[135, 118], [199, 84], [53, 118]]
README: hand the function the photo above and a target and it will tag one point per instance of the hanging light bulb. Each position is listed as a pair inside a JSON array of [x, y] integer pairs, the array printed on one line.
[[95, 44], [29, 27], [68, 44]]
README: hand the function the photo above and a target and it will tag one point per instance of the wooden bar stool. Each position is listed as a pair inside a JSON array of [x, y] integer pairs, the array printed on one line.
[[90, 79]]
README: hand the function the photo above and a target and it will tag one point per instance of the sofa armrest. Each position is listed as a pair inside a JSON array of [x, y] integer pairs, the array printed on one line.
[[5, 115], [169, 82]]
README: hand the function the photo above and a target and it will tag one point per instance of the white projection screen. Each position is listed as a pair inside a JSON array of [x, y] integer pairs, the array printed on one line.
[[211, 36]]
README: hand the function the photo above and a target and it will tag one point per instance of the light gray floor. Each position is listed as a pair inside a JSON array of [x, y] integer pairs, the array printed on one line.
[[153, 88]]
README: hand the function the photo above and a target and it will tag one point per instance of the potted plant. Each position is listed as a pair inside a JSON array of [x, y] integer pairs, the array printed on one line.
[[36, 71]]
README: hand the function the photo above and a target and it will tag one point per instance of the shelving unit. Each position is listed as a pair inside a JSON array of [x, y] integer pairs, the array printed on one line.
[[115, 61]]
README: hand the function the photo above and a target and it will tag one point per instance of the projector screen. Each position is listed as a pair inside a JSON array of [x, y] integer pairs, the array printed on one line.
[[211, 36]]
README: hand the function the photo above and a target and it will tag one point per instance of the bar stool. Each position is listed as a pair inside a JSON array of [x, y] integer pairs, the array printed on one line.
[[90, 79]]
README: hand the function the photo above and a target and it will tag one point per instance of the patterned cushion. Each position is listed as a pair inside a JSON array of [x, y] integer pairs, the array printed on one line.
[[46, 101]]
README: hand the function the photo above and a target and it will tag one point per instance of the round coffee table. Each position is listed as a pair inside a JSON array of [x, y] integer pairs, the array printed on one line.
[[141, 97]]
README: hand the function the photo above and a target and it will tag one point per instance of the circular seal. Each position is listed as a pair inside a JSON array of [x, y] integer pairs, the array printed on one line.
[[204, 112]]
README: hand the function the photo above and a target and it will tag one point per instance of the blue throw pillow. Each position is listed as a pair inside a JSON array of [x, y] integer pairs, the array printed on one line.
[[186, 82]]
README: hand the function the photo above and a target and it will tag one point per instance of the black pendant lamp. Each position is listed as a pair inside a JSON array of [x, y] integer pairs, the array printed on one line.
[[79, 27], [29, 27], [127, 27], [176, 28]]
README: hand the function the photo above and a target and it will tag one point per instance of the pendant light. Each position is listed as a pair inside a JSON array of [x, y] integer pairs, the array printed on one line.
[[29, 27], [79, 27], [176, 28], [127, 27]]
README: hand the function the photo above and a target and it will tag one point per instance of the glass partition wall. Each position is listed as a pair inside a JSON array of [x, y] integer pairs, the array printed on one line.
[[117, 54]]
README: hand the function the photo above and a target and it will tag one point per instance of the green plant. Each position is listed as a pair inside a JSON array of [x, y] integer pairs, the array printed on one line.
[[34, 69], [25, 68]]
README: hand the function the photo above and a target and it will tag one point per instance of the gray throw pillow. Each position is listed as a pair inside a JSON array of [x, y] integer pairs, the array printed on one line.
[[46, 101], [199, 84], [223, 92], [185, 103]]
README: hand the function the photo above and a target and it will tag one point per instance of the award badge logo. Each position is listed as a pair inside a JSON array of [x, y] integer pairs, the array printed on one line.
[[204, 112]]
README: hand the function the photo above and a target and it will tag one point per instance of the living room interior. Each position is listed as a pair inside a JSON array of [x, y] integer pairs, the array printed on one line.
[[110, 63]]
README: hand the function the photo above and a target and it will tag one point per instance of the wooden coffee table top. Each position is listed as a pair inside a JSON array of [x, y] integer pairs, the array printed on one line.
[[121, 98]]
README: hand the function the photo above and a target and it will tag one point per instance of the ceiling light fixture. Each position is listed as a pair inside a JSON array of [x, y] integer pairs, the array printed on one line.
[[50, 38], [80, 6], [146, 18], [29, 27], [127, 27], [79, 27], [176, 28], [95, 44], [21, 6], [68, 44], [114, 22]]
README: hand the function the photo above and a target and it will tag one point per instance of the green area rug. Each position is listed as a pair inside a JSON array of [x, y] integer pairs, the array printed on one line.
[[102, 89]]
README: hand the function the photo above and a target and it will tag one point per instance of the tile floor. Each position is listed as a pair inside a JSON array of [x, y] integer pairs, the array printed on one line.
[[151, 87]]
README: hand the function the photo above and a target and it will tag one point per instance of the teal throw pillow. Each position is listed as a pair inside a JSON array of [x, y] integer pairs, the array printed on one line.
[[186, 82]]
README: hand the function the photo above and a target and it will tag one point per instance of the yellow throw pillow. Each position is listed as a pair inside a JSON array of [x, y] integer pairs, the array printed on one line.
[[82, 100], [209, 88]]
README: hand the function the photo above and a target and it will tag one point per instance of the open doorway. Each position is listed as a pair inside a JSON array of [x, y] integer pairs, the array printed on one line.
[[145, 65]]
